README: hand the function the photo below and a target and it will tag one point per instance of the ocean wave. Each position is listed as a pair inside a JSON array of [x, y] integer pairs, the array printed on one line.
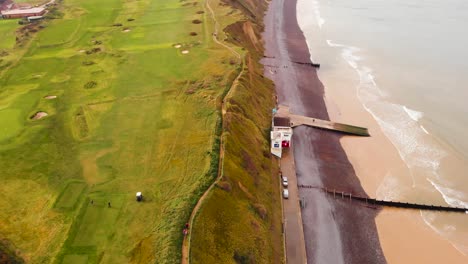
[[415, 115], [424, 129], [318, 16], [304, 8], [389, 189], [451, 196], [398, 122], [446, 231]]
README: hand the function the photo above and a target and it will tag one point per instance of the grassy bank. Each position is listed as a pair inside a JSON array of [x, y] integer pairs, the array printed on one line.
[[133, 112], [240, 220]]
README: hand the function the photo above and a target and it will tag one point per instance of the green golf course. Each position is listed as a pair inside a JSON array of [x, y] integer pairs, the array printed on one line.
[[131, 91]]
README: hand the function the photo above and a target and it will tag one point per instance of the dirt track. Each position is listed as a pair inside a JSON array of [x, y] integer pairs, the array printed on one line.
[[187, 239]]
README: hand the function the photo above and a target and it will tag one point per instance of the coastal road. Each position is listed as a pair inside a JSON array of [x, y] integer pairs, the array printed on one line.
[[294, 235]]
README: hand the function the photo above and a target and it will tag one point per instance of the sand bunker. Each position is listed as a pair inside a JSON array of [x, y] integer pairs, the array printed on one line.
[[177, 46], [39, 115], [82, 51], [185, 52], [126, 30], [49, 97]]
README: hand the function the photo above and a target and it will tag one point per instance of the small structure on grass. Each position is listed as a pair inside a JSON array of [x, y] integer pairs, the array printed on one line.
[[139, 196], [23, 13], [34, 18]]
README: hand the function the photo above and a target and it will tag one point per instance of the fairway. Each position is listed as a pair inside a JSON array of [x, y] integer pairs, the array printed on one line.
[[136, 88]]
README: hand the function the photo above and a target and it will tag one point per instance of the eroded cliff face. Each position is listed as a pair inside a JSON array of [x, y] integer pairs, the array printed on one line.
[[241, 219]]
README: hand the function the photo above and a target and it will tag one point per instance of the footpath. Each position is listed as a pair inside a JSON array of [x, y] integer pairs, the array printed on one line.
[[294, 233]]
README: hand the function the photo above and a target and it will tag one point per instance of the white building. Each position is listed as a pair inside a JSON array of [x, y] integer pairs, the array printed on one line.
[[281, 135]]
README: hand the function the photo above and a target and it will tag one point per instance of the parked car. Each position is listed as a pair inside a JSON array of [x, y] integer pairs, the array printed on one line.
[[285, 181], [285, 194]]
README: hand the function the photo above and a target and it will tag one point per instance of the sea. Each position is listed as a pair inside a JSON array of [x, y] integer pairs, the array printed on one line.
[[406, 62]]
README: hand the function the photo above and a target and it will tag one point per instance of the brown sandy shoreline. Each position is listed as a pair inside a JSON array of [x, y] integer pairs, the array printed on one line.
[[336, 231]]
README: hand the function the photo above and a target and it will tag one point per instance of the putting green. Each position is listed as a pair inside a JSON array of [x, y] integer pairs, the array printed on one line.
[[98, 222], [11, 123], [60, 34]]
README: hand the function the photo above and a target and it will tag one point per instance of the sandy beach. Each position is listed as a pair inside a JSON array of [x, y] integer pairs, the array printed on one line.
[[403, 235], [337, 231]]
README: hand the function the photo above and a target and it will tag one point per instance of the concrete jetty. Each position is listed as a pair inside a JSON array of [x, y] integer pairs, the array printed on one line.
[[297, 120]]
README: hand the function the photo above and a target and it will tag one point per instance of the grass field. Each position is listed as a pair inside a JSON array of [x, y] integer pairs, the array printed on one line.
[[132, 113]]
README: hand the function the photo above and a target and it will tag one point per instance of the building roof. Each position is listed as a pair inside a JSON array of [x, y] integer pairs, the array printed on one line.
[[35, 17], [23, 11], [281, 121]]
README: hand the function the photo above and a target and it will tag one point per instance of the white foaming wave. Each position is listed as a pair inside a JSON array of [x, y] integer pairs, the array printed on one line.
[[415, 115], [398, 122], [389, 189], [445, 231], [424, 129], [306, 22], [348, 53], [318, 17], [451, 196]]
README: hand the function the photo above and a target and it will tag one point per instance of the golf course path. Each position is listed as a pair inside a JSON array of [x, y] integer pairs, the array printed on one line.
[[215, 33], [187, 240]]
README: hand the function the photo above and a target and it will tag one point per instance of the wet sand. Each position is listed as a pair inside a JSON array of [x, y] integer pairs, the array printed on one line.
[[336, 231], [403, 235]]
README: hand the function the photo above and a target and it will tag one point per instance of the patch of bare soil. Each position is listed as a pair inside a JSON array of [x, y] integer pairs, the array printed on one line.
[[196, 21], [39, 115], [93, 50], [193, 33]]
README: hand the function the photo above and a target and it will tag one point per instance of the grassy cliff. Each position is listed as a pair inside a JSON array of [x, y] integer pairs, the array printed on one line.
[[240, 221]]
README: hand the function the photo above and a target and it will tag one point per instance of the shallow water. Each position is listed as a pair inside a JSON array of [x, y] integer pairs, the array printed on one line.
[[407, 63]]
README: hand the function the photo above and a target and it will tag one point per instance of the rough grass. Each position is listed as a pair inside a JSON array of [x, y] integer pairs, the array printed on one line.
[[7, 33], [240, 222], [136, 130]]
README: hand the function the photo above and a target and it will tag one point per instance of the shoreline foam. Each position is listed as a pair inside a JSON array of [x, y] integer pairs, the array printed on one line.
[[375, 176]]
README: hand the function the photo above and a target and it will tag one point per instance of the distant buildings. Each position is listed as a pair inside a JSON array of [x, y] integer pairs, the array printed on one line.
[[23, 13]]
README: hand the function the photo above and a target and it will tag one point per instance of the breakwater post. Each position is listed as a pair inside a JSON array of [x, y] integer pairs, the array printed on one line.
[[396, 204]]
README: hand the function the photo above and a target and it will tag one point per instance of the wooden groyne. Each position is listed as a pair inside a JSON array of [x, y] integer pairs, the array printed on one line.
[[376, 202], [311, 64]]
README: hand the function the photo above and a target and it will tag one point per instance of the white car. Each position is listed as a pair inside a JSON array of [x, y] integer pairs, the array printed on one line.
[[285, 194], [285, 181]]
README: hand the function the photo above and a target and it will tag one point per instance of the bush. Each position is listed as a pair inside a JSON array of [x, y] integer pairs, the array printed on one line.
[[54, 13], [90, 84], [243, 259]]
